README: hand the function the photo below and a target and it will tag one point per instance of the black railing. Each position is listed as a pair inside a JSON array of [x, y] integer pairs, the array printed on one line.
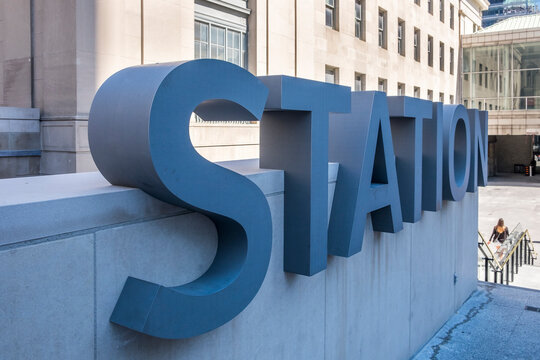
[[504, 265]]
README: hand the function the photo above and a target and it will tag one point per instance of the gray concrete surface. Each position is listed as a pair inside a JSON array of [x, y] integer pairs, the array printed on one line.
[[492, 324], [513, 197], [59, 280]]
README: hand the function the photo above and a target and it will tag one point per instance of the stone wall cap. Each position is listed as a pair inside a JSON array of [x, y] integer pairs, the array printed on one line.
[[16, 113]]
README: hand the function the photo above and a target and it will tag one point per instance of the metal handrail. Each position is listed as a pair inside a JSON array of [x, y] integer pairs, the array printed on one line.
[[531, 244], [522, 252], [491, 252], [509, 254]]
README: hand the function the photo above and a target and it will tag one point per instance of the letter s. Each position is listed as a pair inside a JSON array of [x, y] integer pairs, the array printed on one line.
[[139, 137]]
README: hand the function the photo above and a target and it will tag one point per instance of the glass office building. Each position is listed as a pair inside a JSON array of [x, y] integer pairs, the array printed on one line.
[[503, 9], [501, 74], [502, 77]]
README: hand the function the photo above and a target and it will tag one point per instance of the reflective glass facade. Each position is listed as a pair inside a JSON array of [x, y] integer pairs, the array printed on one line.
[[502, 77], [503, 9]]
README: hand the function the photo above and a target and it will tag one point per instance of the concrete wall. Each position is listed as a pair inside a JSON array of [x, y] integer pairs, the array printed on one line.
[[66, 252], [513, 149], [20, 142]]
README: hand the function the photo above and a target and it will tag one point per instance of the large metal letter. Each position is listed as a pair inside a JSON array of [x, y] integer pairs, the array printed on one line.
[[367, 182], [456, 152], [406, 117], [294, 137], [432, 160], [478, 121], [139, 137]]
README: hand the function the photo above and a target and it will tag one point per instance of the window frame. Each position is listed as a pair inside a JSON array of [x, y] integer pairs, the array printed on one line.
[[242, 49], [401, 38], [335, 71], [417, 42], [382, 32], [452, 18], [384, 83], [362, 78], [401, 89], [452, 54], [360, 22], [441, 10], [333, 7], [430, 50], [441, 56]]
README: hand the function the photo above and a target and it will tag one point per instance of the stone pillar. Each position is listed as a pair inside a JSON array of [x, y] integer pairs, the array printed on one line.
[[79, 44], [15, 53]]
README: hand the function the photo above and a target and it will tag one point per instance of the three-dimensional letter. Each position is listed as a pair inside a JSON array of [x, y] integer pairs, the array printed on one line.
[[139, 137], [361, 142], [294, 138]]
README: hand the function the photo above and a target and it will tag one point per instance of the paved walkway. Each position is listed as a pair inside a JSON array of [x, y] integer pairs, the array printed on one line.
[[492, 324], [528, 277], [516, 199]]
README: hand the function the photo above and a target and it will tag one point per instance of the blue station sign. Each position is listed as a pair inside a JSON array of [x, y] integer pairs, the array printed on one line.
[[398, 156]]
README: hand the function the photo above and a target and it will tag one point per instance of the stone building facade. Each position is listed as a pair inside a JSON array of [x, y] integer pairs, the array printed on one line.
[[55, 54]]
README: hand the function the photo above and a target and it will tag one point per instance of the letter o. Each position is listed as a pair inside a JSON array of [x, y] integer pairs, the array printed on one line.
[[456, 152]]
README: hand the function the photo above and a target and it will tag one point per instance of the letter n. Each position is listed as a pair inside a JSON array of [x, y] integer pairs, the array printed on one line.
[[478, 121]]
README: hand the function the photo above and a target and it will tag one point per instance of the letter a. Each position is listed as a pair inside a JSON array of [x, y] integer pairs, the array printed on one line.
[[361, 142]]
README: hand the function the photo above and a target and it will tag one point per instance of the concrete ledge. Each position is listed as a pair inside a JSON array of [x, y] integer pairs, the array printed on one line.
[[18, 153], [16, 113], [69, 242], [75, 202]]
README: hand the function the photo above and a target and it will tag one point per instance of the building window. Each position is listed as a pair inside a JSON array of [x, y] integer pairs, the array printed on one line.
[[382, 28], [451, 99], [416, 92], [441, 97], [481, 68], [451, 61], [400, 89], [430, 50], [382, 84], [485, 78], [430, 6], [441, 56], [218, 42], [359, 19], [331, 7], [430, 95], [416, 44], [331, 75], [441, 10], [451, 16], [401, 37], [417, 2], [201, 40], [359, 82]]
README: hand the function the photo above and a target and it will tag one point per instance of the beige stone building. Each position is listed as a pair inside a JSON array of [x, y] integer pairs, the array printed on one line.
[[54, 54]]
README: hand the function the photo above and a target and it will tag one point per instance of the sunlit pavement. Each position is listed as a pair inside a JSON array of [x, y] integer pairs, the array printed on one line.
[[516, 199], [497, 322]]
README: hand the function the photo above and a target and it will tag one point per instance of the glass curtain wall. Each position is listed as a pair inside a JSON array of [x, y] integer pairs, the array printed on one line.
[[502, 77]]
